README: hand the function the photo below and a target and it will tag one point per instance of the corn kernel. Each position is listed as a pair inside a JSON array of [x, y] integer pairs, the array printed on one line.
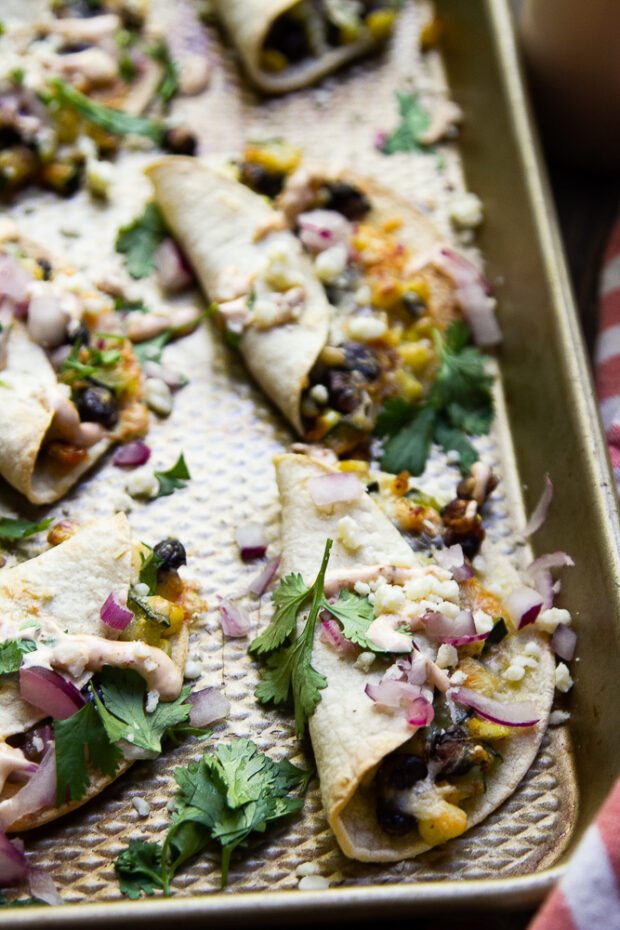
[[400, 484], [430, 34], [355, 465], [380, 23], [446, 822], [392, 223], [408, 386], [484, 729], [273, 60], [416, 355]]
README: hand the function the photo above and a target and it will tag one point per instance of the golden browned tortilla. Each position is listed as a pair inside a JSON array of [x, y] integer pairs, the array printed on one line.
[[351, 735]]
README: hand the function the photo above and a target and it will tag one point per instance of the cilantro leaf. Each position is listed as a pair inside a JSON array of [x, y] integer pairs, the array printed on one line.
[[123, 714], [123, 305], [415, 120], [173, 479], [113, 121], [139, 868], [83, 730], [355, 614], [139, 241], [169, 83], [408, 450], [454, 440], [289, 598], [149, 569], [395, 413], [21, 529], [11, 653], [98, 363]]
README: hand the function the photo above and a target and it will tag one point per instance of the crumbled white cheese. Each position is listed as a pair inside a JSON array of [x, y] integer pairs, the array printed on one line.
[[363, 295], [364, 661], [265, 312], [37, 743], [158, 396], [465, 210], [361, 588], [349, 533], [563, 680], [366, 328], [331, 262], [479, 563], [313, 883], [99, 177], [143, 807], [549, 619], [122, 503], [514, 672], [306, 868], [141, 589], [142, 483], [193, 668], [389, 598], [280, 271], [483, 622], [447, 656], [458, 678], [152, 700], [97, 303], [428, 584], [532, 649], [448, 609], [557, 717], [319, 393]]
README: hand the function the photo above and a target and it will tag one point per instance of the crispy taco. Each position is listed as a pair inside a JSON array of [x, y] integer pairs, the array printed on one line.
[[67, 390], [288, 44], [83, 609], [271, 267], [433, 717]]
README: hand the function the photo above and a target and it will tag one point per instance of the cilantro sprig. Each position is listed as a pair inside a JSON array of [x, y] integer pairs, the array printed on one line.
[[459, 403], [100, 362], [174, 478], [139, 240], [116, 122], [289, 671], [169, 83], [20, 529], [148, 570], [12, 652], [224, 797], [415, 120]]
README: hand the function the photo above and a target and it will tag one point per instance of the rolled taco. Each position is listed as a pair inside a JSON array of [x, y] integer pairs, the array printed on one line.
[[286, 45], [66, 392], [64, 620], [272, 267], [419, 738]]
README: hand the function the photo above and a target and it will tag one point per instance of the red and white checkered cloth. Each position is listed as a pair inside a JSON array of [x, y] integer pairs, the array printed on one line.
[[608, 348], [588, 896]]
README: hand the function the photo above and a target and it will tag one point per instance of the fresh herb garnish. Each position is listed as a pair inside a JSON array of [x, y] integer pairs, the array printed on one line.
[[415, 120], [224, 797], [173, 479], [169, 83], [22, 902], [123, 305], [149, 569], [99, 361], [82, 731], [21, 529], [113, 121], [459, 402], [12, 652], [143, 603], [422, 499], [289, 669], [140, 239], [497, 634]]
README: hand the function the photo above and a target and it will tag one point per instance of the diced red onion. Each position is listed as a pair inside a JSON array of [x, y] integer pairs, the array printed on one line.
[[445, 630], [38, 792], [14, 279], [539, 574], [380, 140], [466, 640], [234, 619], [49, 691], [524, 604], [320, 229], [172, 273], [262, 581], [334, 488], [14, 866], [420, 712], [453, 560], [251, 539], [472, 292], [564, 641], [415, 668], [540, 511], [114, 614], [133, 454], [209, 705], [518, 714], [332, 635], [391, 693], [42, 886]]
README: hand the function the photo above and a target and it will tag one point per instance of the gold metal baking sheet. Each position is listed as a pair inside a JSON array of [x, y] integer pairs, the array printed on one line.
[[229, 434]]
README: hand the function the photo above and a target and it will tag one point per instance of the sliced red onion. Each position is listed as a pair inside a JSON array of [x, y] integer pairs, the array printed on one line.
[[445, 630], [234, 619], [524, 604], [42, 887], [209, 705], [49, 691], [262, 581], [336, 488], [251, 539], [453, 560], [14, 866], [38, 792], [14, 279], [519, 714], [332, 635], [172, 273], [540, 511], [133, 454], [539, 574], [320, 229], [550, 560], [391, 693], [114, 614], [564, 641], [420, 712], [472, 292]]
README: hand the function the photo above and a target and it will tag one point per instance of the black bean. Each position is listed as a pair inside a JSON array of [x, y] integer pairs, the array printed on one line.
[[78, 332], [260, 180], [172, 553], [97, 405], [362, 359], [180, 141], [414, 304], [345, 199], [400, 771], [392, 820], [344, 396], [46, 268]]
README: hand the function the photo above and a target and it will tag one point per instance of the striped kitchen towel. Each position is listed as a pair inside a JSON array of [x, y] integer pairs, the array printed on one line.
[[608, 348], [588, 896]]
